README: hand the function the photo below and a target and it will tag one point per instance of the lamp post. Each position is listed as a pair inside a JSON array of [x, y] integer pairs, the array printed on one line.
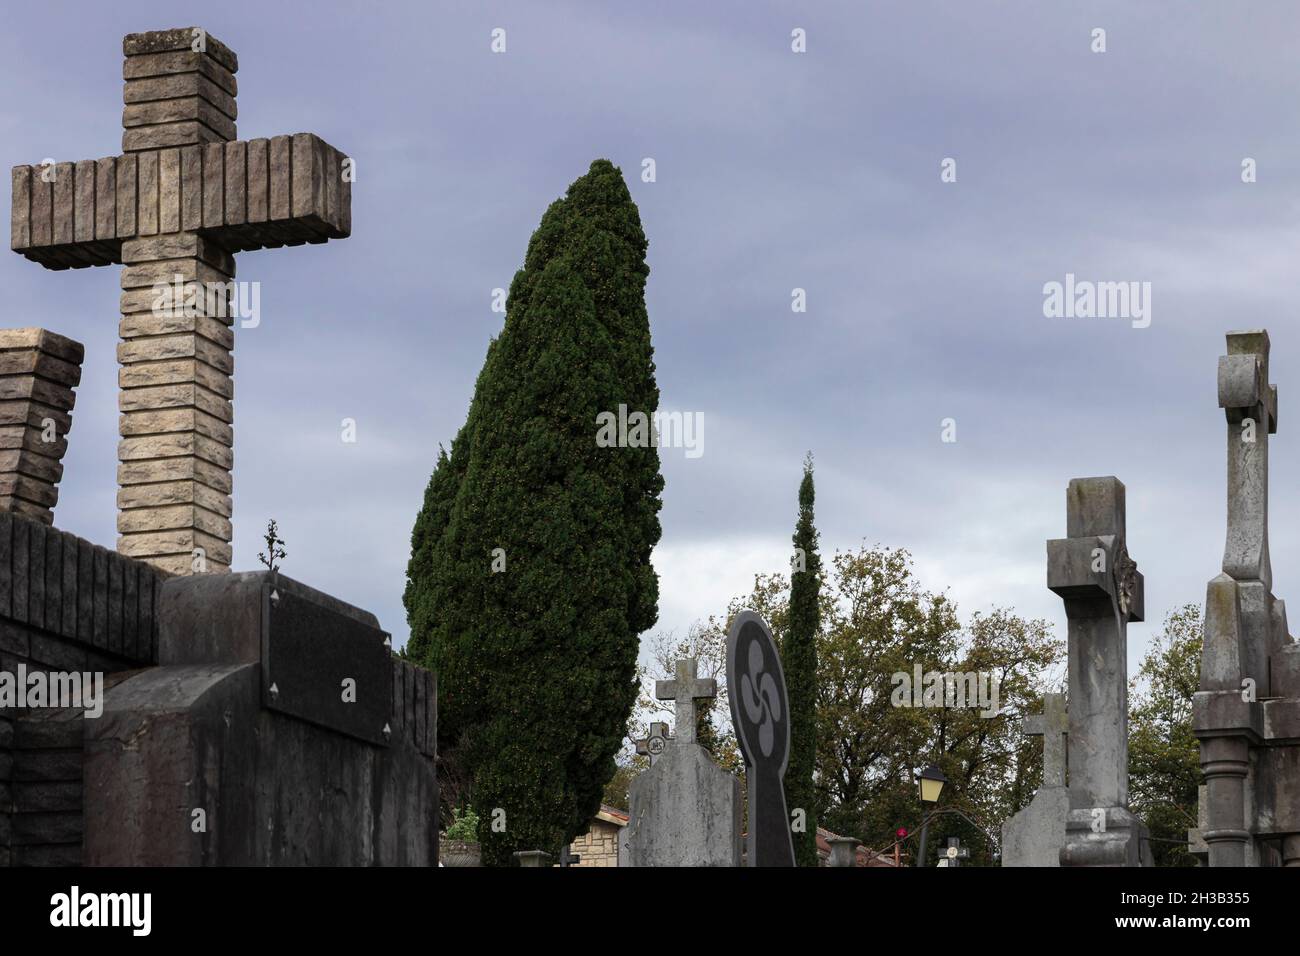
[[931, 781]]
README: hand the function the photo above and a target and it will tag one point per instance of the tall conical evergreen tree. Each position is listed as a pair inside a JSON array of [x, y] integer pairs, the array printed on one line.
[[799, 660], [530, 578]]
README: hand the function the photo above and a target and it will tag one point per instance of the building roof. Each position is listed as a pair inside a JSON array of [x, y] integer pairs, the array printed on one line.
[[864, 856], [612, 815]]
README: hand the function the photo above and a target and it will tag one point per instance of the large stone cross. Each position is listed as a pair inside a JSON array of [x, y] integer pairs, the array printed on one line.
[[1246, 639], [184, 196], [1053, 724], [686, 689], [1103, 590], [1250, 404]]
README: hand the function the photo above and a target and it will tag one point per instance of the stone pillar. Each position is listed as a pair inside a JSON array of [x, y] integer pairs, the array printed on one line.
[[175, 457], [1226, 762], [38, 372], [1291, 850], [844, 851], [176, 452], [533, 858]]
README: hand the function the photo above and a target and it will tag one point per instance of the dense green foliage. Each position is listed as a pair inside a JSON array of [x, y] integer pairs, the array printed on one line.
[[530, 578], [1164, 758], [799, 661]]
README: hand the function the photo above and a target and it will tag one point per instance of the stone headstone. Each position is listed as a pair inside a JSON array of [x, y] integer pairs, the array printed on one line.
[[173, 209], [1034, 835], [760, 713], [685, 810], [1102, 589], [1247, 711]]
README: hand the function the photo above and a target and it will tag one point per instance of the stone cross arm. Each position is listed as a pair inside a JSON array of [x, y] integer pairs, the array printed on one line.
[[1091, 569], [1244, 390], [241, 195]]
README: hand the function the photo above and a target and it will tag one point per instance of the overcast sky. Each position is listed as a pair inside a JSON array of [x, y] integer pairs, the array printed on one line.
[[775, 170]]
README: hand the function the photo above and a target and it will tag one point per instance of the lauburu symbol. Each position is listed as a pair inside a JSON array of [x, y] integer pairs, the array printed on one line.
[[761, 699]]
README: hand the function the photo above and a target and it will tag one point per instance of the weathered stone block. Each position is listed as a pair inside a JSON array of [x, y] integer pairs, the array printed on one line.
[[38, 370]]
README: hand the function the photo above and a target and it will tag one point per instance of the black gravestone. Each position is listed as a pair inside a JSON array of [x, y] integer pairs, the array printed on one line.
[[760, 711], [309, 650]]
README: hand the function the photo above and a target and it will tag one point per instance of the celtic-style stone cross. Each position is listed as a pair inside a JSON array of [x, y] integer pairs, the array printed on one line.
[[686, 689], [1053, 725], [1103, 590], [183, 197]]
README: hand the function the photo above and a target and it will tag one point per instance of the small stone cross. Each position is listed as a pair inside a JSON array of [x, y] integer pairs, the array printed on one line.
[[1053, 725], [655, 744], [955, 853], [686, 688]]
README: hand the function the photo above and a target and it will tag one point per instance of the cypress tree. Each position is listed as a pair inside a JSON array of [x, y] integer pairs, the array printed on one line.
[[530, 578], [799, 660]]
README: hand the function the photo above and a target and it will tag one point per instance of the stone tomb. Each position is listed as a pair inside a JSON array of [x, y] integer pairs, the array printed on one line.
[[192, 762]]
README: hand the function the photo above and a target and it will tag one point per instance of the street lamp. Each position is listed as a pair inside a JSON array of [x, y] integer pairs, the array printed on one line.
[[931, 781]]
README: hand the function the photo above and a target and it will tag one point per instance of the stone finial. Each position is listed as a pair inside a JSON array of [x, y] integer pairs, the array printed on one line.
[[38, 372]]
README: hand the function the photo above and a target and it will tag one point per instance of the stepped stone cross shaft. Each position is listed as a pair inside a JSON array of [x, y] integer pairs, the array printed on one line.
[[685, 689], [183, 197]]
